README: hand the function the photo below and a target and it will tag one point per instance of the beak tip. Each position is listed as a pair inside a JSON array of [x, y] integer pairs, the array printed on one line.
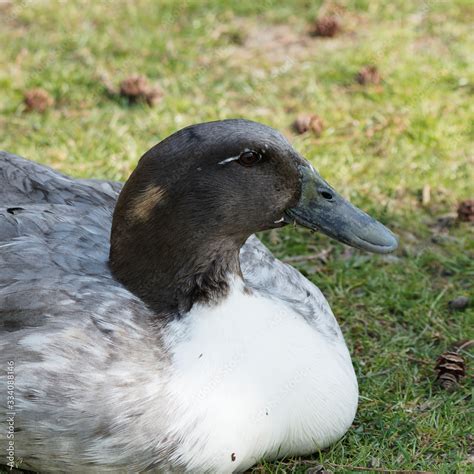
[[375, 238], [388, 244]]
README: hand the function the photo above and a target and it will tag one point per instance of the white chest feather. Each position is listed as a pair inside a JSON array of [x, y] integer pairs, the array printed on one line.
[[250, 378]]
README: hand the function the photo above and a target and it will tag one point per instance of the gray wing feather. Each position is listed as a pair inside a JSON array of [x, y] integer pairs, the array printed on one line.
[[76, 336], [23, 182]]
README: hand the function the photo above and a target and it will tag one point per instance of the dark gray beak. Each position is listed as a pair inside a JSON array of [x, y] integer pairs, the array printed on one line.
[[321, 208]]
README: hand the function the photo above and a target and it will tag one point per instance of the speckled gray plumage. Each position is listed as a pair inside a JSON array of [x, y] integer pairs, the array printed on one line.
[[22, 181], [85, 348]]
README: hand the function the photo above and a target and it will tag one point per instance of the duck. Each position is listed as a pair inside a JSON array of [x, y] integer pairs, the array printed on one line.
[[146, 328]]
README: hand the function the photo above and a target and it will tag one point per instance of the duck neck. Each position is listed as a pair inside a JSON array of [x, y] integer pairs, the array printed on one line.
[[170, 271]]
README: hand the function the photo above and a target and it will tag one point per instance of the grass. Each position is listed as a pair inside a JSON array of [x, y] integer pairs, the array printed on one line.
[[382, 145]]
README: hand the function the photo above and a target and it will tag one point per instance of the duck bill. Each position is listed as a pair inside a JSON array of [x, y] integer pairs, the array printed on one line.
[[323, 209]]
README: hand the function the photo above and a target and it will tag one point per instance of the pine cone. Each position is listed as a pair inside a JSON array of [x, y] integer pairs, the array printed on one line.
[[368, 75], [306, 122], [38, 100], [326, 26], [466, 210], [153, 96], [134, 87], [451, 367], [137, 88]]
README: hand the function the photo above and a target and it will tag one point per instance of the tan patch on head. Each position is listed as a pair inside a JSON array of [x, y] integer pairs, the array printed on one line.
[[145, 202]]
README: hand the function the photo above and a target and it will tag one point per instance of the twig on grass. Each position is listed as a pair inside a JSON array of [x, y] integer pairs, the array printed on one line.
[[322, 255], [377, 469]]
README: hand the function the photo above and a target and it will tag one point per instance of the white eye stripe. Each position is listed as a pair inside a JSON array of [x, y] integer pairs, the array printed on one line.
[[234, 158], [228, 160]]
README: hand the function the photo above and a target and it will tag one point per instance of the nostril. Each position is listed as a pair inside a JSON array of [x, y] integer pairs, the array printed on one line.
[[326, 195]]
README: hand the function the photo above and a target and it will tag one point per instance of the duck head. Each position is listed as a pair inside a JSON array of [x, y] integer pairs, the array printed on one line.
[[195, 198]]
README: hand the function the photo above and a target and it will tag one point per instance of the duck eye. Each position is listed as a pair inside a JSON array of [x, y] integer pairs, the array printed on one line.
[[249, 158]]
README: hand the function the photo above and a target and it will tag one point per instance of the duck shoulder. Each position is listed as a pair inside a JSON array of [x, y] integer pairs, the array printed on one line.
[[23, 181]]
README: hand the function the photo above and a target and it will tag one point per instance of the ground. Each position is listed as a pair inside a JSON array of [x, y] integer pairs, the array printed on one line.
[[401, 149]]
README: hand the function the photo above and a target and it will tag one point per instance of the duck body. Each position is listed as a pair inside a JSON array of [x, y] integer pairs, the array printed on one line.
[[282, 389], [106, 382], [265, 374]]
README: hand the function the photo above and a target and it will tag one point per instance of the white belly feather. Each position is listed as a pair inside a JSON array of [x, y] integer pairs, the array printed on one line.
[[251, 378]]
